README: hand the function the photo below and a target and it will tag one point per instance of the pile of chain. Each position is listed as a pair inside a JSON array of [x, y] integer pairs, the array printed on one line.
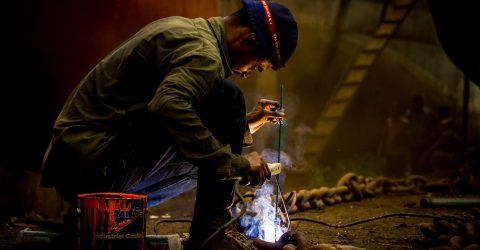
[[352, 187], [451, 233]]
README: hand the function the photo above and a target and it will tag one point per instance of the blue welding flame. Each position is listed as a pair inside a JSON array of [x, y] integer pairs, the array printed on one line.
[[259, 219]]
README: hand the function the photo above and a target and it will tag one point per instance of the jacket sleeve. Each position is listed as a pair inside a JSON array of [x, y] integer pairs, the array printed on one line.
[[187, 84]]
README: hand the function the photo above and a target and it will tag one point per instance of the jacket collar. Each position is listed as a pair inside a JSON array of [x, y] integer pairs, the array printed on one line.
[[218, 27]]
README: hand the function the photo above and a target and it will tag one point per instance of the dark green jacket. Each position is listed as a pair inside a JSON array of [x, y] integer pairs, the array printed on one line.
[[166, 69]]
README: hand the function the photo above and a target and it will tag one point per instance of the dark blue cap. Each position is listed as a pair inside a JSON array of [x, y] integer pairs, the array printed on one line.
[[280, 41]]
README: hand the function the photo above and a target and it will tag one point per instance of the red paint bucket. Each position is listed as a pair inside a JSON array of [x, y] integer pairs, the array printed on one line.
[[111, 221]]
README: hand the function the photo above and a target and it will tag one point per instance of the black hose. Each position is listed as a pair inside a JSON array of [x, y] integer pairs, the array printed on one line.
[[449, 217], [234, 204], [375, 218]]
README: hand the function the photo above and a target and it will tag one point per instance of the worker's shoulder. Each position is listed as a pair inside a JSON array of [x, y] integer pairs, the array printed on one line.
[[176, 25], [184, 35], [189, 32], [177, 29], [173, 21]]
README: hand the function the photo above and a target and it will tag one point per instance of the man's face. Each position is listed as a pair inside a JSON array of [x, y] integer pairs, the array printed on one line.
[[246, 55], [246, 64]]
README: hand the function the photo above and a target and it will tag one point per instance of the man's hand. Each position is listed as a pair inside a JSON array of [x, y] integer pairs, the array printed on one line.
[[258, 172], [265, 111]]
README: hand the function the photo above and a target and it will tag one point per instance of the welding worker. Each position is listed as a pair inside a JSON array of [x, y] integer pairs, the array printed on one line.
[[157, 117]]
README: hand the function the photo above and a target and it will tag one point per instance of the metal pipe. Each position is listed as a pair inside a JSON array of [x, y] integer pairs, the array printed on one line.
[[27, 237], [449, 202]]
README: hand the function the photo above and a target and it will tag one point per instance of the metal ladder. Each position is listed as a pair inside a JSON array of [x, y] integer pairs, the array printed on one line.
[[346, 89]]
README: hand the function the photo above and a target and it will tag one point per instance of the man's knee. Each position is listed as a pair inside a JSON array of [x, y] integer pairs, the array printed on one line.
[[234, 93], [224, 114]]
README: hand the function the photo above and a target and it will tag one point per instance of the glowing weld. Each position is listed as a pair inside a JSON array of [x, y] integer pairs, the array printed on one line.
[[259, 220]]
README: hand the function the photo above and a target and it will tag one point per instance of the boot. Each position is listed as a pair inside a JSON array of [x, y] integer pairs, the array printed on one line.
[[213, 199], [229, 239]]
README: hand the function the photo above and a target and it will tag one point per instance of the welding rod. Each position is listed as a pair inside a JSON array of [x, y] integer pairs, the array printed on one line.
[[279, 148], [279, 145], [282, 92]]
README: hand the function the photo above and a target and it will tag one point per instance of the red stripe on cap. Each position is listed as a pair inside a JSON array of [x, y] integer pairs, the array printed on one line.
[[271, 29]]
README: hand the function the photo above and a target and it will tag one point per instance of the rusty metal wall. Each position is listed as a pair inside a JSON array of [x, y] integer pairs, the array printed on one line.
[[331, 35]]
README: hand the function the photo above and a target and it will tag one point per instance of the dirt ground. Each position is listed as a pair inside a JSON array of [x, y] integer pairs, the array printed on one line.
[[398, 232]]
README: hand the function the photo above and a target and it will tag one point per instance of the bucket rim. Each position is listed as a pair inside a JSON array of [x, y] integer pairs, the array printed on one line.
[[111, 195]]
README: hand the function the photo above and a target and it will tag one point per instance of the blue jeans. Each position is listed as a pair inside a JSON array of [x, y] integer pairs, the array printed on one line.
[[165, 180]]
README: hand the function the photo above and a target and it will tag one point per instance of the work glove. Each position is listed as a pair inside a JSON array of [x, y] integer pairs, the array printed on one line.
[[265, 111], [258, 173]]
